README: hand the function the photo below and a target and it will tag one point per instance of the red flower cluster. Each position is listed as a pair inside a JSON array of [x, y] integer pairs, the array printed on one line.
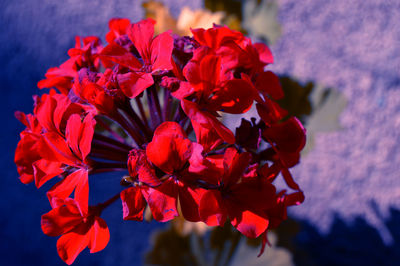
[[152, 106]]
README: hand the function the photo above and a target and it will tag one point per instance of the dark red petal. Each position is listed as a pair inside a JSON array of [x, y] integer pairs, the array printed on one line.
[[189, 199], [255, 194], [295, 198], [289, 179], [162, 200], [134, 83], [268, 83], [235, 97], [139, 166], [234, 165], [211, 209], [206, 136], [289, 136], [263, 243], [270, 112], [133, 204], [99, 235]]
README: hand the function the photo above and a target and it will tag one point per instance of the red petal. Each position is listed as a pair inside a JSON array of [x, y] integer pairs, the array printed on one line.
[[71, 244], [216, 36], [121, 56], [78, 180], [138, 165], [289, 179], [205, 119], [264, 53], [86, 135], [264, 242], [169, 138], [134, 83], [289, 136], [270, 112], [54, 148], [161, 52], [236, 97], [118, 26], [45, 170], [141, 34], [255, 194], [268, 82], [211, 209], [26, 153], [248, 223], [210, 68], [189, 200], [162, 200], [295, 198], [133, 204], [61, 220], [99, 235], [72, 133]]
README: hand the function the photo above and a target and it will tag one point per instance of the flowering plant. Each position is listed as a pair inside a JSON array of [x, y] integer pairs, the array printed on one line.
[[152, 106]]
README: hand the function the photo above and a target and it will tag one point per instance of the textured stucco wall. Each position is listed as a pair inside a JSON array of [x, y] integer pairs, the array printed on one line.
[[353, 47]]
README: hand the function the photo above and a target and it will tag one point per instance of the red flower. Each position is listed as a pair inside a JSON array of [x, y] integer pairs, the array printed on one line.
[[71, 151], [80, 56], [244, 200], [155, 56], [118, 27], [192, 82], [77, 231]]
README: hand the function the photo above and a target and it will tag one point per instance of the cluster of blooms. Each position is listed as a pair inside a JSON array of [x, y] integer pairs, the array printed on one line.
[[152, 106]]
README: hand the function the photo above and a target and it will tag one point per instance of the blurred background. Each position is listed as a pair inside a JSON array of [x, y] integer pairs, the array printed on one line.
[[339, 64]]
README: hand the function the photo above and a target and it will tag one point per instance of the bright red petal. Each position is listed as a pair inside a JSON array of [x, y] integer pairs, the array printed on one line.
[[71, 244], [161, 52], [134, 83], [45, 170], [141, 34], [99, 235], [133, 204], [61, 220], [248, 223]]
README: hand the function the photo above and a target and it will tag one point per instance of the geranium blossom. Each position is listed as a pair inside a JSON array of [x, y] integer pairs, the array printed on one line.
[[153, 108]]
